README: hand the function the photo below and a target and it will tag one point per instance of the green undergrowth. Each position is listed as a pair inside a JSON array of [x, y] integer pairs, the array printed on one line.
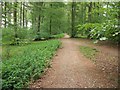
[[20, 69], [9, 51], [88, 52], [58, 35]]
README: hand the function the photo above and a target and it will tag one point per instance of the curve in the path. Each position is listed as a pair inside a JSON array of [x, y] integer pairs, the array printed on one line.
[[70, 69]]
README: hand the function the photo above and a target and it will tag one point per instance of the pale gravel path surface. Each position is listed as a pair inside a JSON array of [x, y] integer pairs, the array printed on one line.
[[70, 69]]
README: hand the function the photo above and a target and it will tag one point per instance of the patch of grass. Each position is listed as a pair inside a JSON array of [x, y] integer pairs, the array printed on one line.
[[81, 36], [58, 35], [28, 64], [9, 51], [88, 51]]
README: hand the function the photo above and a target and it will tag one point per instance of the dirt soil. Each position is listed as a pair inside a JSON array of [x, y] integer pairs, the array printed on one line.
[[71, 69]]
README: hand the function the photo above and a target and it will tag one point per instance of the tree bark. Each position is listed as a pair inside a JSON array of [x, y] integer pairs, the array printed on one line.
[[26, 21], [1, 10], [50, 21], [89, 12], [9, 14], [98, 9], [23, 15], [39, 19], [73, 20], [15, 19], [5, 13]]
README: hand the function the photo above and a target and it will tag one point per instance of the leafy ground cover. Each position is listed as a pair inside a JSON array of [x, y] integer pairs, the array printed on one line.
[[58, 35], [28, 65], [88, 51]]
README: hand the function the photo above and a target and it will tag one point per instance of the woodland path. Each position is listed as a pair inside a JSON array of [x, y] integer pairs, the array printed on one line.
[[71, 69]]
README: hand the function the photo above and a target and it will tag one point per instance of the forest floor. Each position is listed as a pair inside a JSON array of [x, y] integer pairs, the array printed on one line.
[[71, 69]]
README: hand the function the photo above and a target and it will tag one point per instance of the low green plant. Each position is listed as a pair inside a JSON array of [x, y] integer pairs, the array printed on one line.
[[24, 36], [41, 36], [88, 51], [7, 35], [58, 35], [28, 65]]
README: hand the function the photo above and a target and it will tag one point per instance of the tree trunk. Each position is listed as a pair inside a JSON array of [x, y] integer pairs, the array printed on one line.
[[98, 9], [89, 12], [107, 13], [32, 21], [39, 23], [5, 13], [23, 15], [82, 13], [1, 10], [9, 14], [73, 20], [26, 21], [15, 19], [50, 26], [50, 21]]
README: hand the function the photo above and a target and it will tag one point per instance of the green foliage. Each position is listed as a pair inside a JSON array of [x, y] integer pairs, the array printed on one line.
[[58, 35], [37, 37], [7, 35], [45, 35], [6, 52], [97, 20], [94, 20], [42, 35], [85, 29], [100, 21], [28, 65], [9, 51], [23, 36], [22, 33], [105, 31], [88, 51]]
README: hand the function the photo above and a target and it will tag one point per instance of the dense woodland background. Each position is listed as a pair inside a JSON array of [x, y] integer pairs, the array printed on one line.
[[36, 20], [24, 23]]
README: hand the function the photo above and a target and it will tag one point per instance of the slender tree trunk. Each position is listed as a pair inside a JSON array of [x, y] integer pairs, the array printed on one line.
[[50, 26], [59, 26], [118, 17], [5, 13], [73, 20], [89, 16], [98, 8], [39, 23], [32, 21], [69, 23], [15, 19], [50, 21], [107, 13], [89, 12], [9, 14], [94, 4], [23, 15], [1, 10], [39, 16], [26, 19], [83, 13], [26, 16]]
